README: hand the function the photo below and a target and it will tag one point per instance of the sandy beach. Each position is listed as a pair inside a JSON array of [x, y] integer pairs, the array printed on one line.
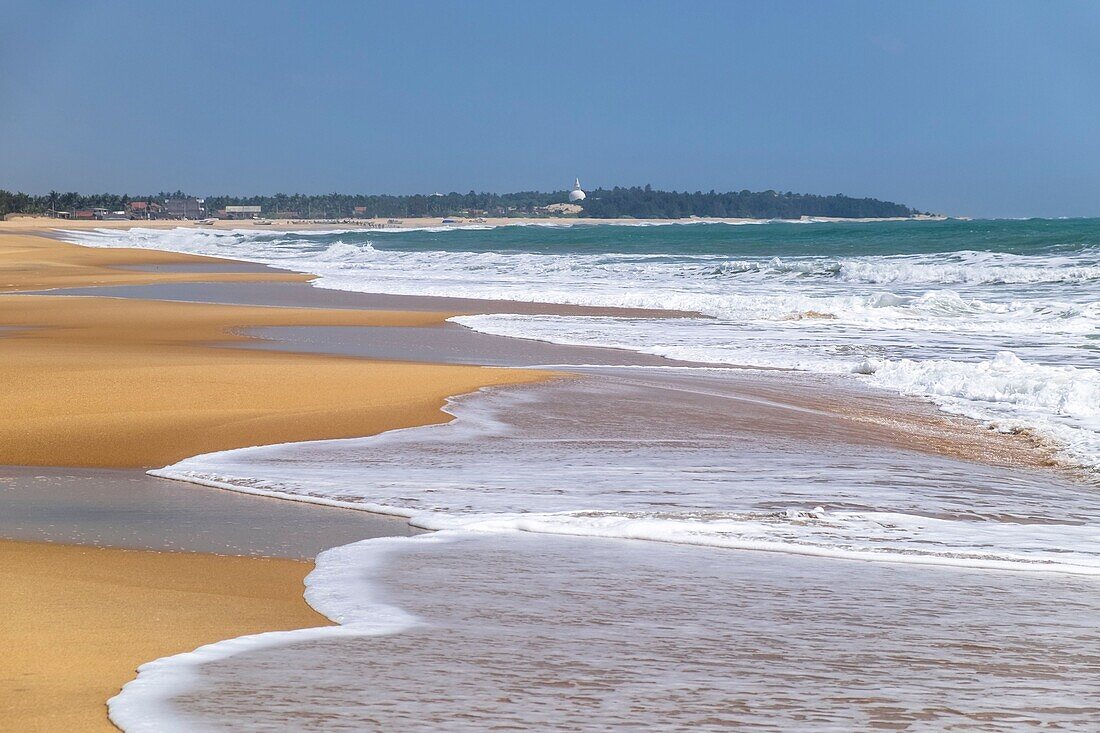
[[79, 620], [110, 382], [403, 367], [125, 383], [131, 359]]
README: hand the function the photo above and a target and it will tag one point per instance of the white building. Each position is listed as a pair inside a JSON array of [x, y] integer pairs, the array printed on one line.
[[242, 212], [576, 194]]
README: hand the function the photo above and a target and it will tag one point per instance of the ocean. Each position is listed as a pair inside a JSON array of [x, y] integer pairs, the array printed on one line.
[[675, 547], [996, 320]]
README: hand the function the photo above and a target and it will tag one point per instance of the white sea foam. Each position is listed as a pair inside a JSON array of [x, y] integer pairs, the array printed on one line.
[[1058, 403], [574, 458], [547, 633], [890, 537], [338, 587]]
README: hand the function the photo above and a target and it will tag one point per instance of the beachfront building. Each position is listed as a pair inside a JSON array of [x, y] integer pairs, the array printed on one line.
[[576, 194], [144, 209], [242, 212], [187, 207]]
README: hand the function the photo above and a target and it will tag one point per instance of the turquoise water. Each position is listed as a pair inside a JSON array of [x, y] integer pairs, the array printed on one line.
[[780, 239], [775, 239]]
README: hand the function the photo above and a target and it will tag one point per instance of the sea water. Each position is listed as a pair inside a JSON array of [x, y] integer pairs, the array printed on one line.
[[633, 548], [674, 457], [525, 632], [996, 320], [639, 548]]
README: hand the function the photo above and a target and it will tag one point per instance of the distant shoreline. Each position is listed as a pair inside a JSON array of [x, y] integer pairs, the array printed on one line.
[[20, 222]]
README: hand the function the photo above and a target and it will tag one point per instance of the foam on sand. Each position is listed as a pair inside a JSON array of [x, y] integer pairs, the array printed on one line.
[[337, 588], [578, 458], [432, 625]]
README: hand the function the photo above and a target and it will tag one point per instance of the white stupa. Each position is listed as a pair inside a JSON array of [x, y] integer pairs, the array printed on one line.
[[576, 194]]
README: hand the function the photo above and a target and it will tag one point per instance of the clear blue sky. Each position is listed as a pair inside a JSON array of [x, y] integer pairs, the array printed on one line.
[[979, 108]]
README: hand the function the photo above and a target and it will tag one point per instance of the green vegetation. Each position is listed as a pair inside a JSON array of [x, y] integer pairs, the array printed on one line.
[[337, 206], [645, 203], [21, 203], [636, 202]]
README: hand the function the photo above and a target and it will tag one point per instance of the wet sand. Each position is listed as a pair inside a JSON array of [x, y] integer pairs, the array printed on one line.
[[773, 405], [304, 295], [447, 343], [130, 509]]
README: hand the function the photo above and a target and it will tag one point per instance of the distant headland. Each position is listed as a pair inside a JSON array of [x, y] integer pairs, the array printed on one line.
[[638, 202]]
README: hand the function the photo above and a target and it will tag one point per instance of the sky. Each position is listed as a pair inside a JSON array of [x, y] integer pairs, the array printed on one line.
[[965, 108]]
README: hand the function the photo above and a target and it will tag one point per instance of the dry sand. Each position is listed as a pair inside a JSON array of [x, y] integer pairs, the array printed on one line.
[[29, 262], [115, 383], [77, 621], [127, 383]]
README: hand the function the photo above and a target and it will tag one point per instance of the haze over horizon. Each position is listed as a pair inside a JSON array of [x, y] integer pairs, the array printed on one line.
[[983, 109]]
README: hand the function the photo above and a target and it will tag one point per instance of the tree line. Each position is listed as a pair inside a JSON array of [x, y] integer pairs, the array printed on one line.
[[337, 205], [647, 203], [21, 203], [641, 202]]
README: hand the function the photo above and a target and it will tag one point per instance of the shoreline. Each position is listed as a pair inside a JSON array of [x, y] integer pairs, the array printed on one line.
[[111, 382], [130, 509], [195, 330], [79, 620], [31, 223], [922, 416], [429, 315]]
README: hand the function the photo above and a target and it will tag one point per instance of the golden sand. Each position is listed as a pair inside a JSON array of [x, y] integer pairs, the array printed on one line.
[[128, 383], [125, 383], [79, 620], [30, 262]]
